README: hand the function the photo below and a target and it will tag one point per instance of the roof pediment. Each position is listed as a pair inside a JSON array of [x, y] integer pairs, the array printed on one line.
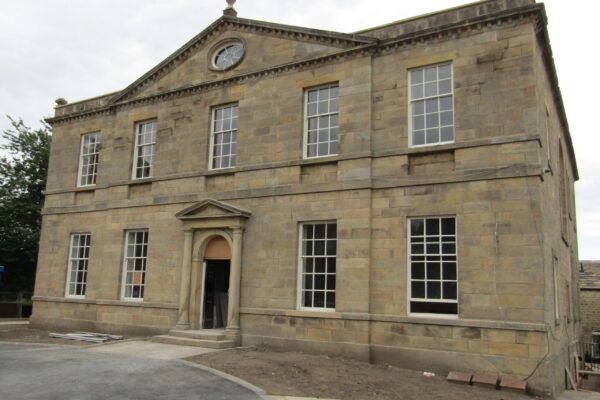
[[210, 209], [221, 26]]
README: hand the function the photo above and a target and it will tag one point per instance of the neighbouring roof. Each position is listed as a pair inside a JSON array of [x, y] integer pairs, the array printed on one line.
[[589, 275]]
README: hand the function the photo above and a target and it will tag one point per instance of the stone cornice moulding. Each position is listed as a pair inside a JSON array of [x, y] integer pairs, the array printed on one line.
[[372, 49]]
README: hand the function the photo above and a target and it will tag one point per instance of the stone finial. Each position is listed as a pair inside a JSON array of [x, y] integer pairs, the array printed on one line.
[[230, 10], [61, 101]]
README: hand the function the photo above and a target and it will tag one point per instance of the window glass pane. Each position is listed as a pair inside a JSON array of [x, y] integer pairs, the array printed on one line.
[[331, 248], [330, 282], [319, 299], [450, 290], [308, 265], [446, 103], [307, 299], [448, 248], [418, 122], [449, 271], [331, 265], [418, 290], [445, 86], [334, 92], [433, 271], [319, 264], [446, 118], [418, 271], [432, 121], [416, 91], [430, 74], [433, 290], [308, 281], [431, 89], [319, 281], [444, 71], [418, 138], [418, 107], [432, 226], [447, 134], [330, 300], [417, 227], [416, 76], [431, 106]]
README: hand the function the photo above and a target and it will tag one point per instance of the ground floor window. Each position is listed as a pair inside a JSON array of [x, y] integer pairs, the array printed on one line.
[[433, 265], [134, 266], [318, 247], [79, 256]]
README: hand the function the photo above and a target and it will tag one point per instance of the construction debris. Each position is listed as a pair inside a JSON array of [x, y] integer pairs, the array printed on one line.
[[86, 336]]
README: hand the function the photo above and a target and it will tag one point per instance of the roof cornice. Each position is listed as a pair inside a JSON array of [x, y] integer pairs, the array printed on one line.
[[201, 87], [375, 46]]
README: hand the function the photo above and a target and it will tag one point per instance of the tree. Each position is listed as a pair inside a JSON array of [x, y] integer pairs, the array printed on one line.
[[23, 171]]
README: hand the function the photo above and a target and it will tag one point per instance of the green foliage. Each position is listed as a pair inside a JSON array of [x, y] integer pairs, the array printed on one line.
[[23, 170]]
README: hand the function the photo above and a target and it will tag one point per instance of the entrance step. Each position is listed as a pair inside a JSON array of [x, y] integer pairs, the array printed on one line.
[[202, 334], [211, 339]]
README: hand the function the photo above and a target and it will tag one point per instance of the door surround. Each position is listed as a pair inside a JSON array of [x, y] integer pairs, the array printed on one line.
[[201, 223]]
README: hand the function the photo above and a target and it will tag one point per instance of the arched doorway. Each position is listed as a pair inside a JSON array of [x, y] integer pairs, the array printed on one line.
[[215, 284]]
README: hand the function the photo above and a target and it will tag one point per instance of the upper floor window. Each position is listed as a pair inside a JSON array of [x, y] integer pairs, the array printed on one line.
[[432, 266], [134, 268], [431, 106], [321, 126], [88, 159], [318, 248], [145, 139], [79, 255], [223, 144]]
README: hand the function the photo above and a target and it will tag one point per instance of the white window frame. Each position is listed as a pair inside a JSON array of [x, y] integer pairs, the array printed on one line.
[[410, 102], [409, 272], [214, 132], [85, 157], [300, 275], [329, 114], [138, 149], [125, 270], [556, 286], [74, 259]]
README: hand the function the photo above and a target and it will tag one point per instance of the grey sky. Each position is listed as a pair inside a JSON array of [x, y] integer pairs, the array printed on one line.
[[80, 49]]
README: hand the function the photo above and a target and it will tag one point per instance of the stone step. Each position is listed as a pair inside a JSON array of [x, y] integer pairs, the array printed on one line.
[[202, 334], [183, 341]]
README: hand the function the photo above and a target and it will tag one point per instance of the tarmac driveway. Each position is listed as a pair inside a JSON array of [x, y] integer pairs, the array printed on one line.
[[32, 371]]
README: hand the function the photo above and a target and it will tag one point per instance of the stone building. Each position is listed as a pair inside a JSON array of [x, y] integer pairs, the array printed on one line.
[[402, 194], [589, 295]]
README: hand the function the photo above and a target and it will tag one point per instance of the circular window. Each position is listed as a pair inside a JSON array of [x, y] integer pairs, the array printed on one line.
[[228, 55]]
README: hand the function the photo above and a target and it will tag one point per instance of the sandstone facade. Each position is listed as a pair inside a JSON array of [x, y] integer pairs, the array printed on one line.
[[504, 177]]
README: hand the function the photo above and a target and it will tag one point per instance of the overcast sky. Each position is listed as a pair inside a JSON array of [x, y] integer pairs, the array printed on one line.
[[81, 49]]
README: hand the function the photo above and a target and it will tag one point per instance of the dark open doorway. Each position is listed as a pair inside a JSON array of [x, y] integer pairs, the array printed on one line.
[[216, 286]]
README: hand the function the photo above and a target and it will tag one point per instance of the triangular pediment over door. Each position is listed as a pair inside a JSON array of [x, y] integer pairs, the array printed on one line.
[[211, 209]]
